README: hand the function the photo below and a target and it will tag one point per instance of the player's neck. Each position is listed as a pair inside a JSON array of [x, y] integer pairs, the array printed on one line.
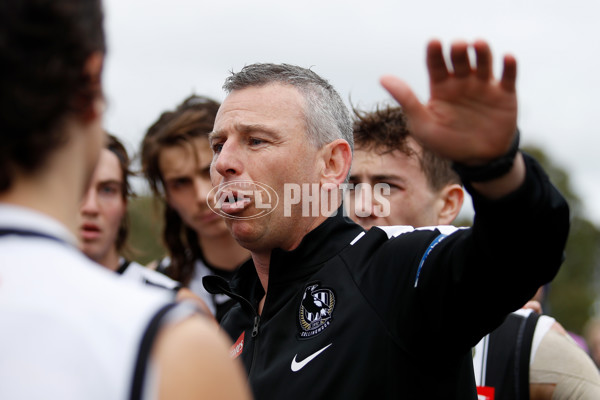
[[110, 260], [57, 186], [223, 252], [48, 193], [261, 263]]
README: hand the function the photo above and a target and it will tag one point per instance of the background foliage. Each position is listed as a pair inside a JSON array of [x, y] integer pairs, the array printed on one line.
[[145, 233], [572, 295]]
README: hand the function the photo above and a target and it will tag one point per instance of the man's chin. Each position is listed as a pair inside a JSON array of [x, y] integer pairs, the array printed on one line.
[[245, 233]]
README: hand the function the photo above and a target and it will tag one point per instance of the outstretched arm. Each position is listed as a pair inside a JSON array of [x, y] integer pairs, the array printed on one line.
[[470, 118]]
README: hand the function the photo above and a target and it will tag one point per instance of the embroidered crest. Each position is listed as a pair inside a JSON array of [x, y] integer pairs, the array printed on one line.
[[316, 309]]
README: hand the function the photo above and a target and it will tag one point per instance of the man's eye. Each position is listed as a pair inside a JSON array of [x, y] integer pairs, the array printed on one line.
[[181, 182], [256, 141], [390, 186], [108, 190], [178, 183], [217, 147]]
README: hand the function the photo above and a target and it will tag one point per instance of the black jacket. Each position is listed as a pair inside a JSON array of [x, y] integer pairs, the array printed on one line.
[[396, 317]]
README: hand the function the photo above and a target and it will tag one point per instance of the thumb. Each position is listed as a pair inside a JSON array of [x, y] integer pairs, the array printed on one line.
[[403, 94]]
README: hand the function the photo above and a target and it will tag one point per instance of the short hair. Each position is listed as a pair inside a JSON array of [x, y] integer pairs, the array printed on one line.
[[193, 118], [117, 148], [327, 117], [43, 49], [385, 130]]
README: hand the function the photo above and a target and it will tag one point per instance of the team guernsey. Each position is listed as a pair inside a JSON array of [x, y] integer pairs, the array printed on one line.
[[395, 312], [502, 359], [218, 304], [71, 329], [136, 272]]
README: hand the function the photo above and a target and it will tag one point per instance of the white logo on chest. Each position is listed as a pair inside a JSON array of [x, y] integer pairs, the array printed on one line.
[[297, 366]]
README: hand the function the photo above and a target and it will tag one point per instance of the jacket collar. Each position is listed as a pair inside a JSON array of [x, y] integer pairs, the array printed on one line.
[[318, 246]]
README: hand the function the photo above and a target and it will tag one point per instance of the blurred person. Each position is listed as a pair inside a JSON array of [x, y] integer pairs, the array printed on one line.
[[70, 329], [104, 227], [591, 334], [104, 224], [529, 356], [176, 159], [328, 310]]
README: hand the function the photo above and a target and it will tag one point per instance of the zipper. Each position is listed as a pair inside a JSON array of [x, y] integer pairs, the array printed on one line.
[[255, 344], [255, 327], [247, 306]]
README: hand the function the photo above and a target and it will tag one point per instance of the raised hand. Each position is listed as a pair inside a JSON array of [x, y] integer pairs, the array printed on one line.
[[470, 117]]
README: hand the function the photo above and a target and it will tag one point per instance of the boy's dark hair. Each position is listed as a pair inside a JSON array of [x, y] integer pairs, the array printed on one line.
[[44, 45], [117, 148]]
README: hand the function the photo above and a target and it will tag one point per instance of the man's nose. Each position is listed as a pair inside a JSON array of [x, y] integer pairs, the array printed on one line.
[[89, 204], [228, 161]]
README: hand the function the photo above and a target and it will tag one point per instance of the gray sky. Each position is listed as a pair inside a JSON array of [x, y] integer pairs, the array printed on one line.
[[162, 51]]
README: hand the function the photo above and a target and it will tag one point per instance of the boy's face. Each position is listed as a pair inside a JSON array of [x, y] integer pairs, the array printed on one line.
[[411, 199], [103, 208]]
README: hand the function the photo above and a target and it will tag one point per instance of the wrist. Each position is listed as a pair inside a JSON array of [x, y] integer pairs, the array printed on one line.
[[492, 170]]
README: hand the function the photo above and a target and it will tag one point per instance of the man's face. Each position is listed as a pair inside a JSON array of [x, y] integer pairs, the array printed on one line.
[[185, 170], [411, 199], [102, 209], [260, 136]]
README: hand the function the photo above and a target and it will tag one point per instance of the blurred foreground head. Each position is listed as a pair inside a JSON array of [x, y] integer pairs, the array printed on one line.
[[50, 60]]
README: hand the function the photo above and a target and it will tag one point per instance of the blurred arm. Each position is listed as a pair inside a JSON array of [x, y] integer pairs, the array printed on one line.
[[192, 361], [562, 370]]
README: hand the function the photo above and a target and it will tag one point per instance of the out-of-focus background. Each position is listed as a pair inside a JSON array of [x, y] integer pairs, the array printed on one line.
[[161, 52]]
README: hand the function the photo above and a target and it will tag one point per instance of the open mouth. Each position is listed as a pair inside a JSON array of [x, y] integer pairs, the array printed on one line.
[[234, 201], [89, 231], [242, 199]]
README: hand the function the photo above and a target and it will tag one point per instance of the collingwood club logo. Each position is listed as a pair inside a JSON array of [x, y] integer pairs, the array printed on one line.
[[316, 309]]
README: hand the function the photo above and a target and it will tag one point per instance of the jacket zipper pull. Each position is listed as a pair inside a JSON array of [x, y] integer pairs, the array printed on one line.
[[255, 328]]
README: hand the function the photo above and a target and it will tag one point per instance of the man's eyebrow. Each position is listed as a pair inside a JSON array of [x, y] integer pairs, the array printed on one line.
[[109, 182], [377, 178], [245, 128], [213, 135], [249, 128], [387, 177]]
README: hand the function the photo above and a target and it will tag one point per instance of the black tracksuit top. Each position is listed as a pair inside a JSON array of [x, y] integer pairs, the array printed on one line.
[[393, 317]]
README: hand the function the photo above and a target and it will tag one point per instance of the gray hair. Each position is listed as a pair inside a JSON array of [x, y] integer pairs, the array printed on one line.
[[327, 117]]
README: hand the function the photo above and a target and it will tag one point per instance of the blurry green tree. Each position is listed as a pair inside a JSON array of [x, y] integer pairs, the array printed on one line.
[[572, 295], [145, 229]]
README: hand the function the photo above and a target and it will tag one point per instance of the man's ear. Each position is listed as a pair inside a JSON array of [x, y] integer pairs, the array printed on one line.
[[452, 197], [92, 69], [337, 157]]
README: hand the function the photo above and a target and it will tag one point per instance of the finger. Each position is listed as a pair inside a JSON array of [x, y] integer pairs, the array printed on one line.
[[484, 60], [533, 305], [403, 95], [438, 71], [509, 74], [460, 59]]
